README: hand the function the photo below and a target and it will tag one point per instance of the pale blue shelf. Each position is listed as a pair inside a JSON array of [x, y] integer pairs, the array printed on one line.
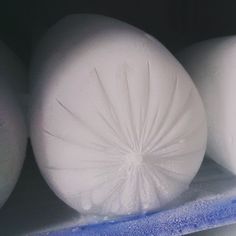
[[34, 210], [210, 202]]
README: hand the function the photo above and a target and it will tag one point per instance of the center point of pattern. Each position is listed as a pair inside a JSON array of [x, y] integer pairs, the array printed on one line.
[[134, 159]]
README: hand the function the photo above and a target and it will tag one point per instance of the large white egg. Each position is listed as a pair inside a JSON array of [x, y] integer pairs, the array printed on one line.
[[117, 125], [212, 65], [13, 135]]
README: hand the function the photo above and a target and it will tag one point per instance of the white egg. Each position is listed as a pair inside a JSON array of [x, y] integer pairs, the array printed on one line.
[[13, 135], [212, 65], [117, 125]]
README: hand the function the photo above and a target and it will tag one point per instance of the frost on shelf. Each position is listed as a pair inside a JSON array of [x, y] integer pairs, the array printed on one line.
[[116, 130]]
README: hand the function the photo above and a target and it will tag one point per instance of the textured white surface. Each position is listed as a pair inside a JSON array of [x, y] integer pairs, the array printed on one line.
[[117, 125], [13, 136], [212, 65]]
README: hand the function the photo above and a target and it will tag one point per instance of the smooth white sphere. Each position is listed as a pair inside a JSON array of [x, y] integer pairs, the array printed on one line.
[[117, 125], [212, 65], [13, 135]]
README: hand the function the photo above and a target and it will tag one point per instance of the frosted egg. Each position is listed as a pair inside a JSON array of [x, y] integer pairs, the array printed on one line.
[[212, 65], [117, 125], [13, 135]]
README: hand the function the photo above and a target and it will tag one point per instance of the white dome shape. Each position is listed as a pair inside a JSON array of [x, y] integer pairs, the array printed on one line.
[[13, 135], [212, 66], [117, 125]]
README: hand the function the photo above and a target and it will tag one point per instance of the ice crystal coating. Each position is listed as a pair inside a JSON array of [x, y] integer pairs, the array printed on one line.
[[117, 125]]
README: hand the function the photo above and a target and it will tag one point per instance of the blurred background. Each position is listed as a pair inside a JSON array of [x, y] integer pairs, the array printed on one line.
[[174, 23]]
